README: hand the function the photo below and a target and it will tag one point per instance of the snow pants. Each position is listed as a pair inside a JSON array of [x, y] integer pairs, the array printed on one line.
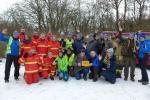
[[142, 65], [31, 78], [84, 71], [51, 71], [95, 73], [63, 75], [9, 60], [109, 76], [129, 63], [119, 68]]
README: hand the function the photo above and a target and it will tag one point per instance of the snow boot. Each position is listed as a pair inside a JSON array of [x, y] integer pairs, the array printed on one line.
[[145, 83], [140, 81], [52, 78], [6, 81]]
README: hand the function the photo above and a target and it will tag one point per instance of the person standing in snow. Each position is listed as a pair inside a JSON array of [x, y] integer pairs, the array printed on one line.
[[22, 34], [78, 45], [69, 41], [142, 57], [13, 53], [119, 58], [128, 52]]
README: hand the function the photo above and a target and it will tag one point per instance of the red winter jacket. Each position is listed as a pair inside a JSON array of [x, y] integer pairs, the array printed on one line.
[[32, 63], [26, 47], [47, 63], [54, 47], [42, 47], [35, 39]]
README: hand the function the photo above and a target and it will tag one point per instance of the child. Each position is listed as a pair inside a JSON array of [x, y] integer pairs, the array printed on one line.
[[70, 56], [95, 66], [31, 61], [110, 72], [62, 64], [48, 67], [79, 69]]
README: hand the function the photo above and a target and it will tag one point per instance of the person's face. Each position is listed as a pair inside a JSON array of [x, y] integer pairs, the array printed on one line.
[[50, 55], [22, 30], [142, 39], [108, 54], [5, 31], [35, 33], [93, 54], [69, 37], [131, 37], [54, 38], [16, 35], [26, 37], [74, 37], [42, 36], [32, 52], [68, 51], [78, 38], [82, 54], [60, 54]]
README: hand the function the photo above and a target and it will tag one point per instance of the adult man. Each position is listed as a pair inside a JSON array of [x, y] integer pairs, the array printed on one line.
[[22, 34], [128, 52], [78, 45], [13, 52]]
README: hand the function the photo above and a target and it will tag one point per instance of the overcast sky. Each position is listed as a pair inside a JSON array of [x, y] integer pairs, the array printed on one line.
[[5, 4]]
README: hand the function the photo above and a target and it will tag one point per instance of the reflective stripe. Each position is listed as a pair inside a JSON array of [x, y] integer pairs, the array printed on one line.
[[42, 46], [8, 48], [30, 62], [46, 65], [54, 56], [54, 48], [21, 60], [45, 69], [33, 71], [53, 71], [26, 47], [42, 54]]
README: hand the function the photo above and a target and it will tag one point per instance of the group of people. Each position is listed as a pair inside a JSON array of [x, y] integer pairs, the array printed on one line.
[[44, 55]]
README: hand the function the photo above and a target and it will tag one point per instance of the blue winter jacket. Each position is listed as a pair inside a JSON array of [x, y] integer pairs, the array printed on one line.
[[143, 49], [96, 62], [77, 46], [13, 45]]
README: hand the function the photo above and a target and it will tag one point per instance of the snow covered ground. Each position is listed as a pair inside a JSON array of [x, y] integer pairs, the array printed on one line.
[[72, 90]]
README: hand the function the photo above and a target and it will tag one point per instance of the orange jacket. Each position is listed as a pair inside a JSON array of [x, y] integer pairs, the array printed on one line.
[[42, 47], [54, 47], [26, 47], [35, 39], [32, 63], [47, 63]]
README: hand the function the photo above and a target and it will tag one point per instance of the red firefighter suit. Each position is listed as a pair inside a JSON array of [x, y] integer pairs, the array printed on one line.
[[32, 65], [48, 67]]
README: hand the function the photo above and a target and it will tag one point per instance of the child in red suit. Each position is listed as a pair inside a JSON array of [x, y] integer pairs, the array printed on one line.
[[32, 65], [48, 67]]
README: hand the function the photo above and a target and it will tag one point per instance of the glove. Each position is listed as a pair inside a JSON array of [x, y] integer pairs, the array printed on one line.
[[25, 55]]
